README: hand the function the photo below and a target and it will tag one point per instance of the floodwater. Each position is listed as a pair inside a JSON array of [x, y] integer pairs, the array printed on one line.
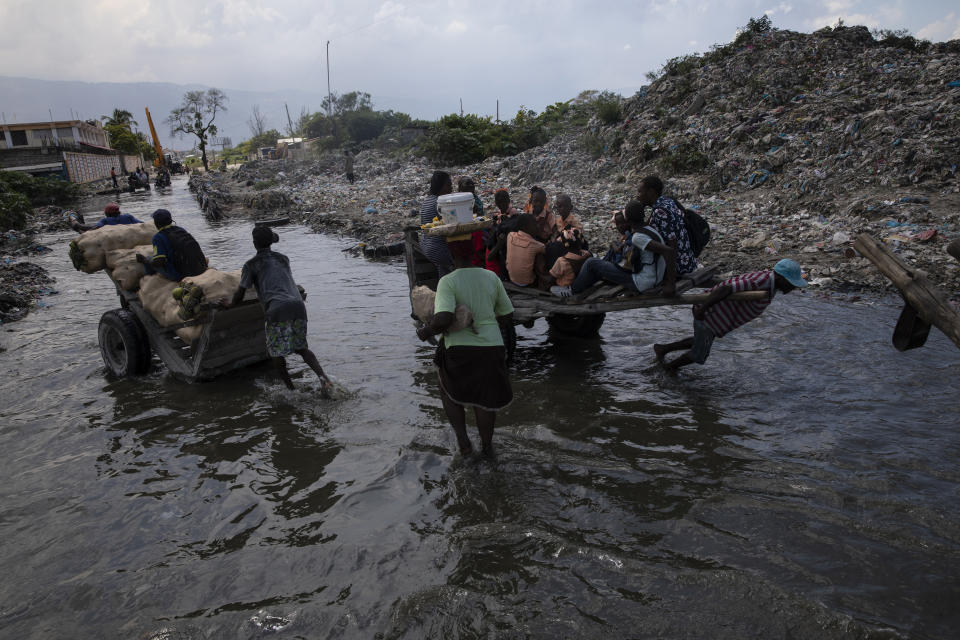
[[802, 484]]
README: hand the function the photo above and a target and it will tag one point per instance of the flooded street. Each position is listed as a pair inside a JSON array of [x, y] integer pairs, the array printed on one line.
[[802, 484]]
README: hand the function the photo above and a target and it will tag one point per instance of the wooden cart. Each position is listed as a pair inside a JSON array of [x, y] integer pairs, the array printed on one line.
[[231, 339], [580, 315]]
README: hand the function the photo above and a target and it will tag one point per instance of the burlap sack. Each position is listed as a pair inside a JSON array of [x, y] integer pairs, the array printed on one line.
[[210, 286], [126, 270], [88, 251], [422, 299], [156, 295]]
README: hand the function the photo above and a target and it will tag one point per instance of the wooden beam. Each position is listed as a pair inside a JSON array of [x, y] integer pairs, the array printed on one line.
[[531, 305], [928, 301]]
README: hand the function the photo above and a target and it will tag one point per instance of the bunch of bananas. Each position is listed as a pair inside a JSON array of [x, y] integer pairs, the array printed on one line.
[[433, 223]]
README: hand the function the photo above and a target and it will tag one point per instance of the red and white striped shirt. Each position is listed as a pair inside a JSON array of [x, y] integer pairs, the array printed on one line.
[[726, 315]]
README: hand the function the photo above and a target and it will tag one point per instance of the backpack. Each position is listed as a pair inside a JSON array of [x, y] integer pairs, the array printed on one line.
[[188, 258], [698, 229]]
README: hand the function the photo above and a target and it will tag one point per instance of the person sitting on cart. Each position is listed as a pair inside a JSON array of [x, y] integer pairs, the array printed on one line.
[[176, 254], [667, 218], [565, 218], [649, 262], [111, 216], [525, 255], [466, 185], [537, 207], [567, 266], [505, 219], [718, 316], [615, 252], [285, 314]]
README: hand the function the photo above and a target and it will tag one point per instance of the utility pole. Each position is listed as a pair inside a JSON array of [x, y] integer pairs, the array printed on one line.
[[498, 110], [461, 107], [289, 121], [329, 98]]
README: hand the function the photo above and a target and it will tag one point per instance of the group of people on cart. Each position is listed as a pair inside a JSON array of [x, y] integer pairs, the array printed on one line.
[[546, 249]]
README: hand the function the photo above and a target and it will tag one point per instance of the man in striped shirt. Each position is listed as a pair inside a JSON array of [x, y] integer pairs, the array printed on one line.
[[718, 316]]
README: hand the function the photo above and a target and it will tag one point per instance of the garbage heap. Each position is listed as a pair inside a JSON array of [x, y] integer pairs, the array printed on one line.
[[789, 144]]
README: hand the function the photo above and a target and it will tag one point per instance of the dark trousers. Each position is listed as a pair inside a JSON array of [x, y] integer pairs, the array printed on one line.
[[594, 270]]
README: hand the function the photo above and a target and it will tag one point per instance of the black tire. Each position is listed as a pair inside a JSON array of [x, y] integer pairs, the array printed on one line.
[[577, 326], [124, 345]]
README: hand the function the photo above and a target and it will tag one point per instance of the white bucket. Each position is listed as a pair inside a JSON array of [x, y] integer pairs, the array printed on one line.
[[455, 208]]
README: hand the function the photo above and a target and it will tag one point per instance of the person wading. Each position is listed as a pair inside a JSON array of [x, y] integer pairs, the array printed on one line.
[[718, 316], [472, 362], [286, 315]]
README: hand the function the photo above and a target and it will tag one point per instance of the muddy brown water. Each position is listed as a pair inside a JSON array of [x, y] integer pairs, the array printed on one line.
[[802, 484]]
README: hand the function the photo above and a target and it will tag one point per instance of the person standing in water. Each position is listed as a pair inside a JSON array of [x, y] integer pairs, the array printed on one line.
[[286, 315], [472, 362]]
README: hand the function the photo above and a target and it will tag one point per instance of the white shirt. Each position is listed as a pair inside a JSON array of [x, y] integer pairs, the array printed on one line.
[[653, 268]]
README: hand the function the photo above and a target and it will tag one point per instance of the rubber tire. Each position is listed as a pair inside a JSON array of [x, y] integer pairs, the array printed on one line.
[[577, 326], [124, 345]]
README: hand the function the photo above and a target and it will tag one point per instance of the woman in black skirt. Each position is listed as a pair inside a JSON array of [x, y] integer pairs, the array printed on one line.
[[472, 362]]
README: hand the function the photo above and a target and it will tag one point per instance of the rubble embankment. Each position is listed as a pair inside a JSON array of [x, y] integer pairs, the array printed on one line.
[[789, 145], [23, 283]]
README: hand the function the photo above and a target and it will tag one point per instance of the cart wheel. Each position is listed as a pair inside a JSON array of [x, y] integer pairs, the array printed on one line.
[[577, 326], [123, 343]]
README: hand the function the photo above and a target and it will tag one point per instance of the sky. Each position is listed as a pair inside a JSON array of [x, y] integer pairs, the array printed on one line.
[[420, 57]]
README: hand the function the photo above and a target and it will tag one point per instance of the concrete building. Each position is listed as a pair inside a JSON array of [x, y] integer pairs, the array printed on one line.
[[75, 150], [77, 133]]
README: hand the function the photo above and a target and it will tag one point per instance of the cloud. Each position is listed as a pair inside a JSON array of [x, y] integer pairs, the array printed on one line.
[[455, 27], [947, 28], [627, 47], [879, 16]]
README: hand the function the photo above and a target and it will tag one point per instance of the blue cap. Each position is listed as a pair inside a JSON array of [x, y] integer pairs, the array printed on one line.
[[790, 270]]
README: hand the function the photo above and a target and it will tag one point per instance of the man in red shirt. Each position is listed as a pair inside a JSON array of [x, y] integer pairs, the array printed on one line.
[[718, 316]]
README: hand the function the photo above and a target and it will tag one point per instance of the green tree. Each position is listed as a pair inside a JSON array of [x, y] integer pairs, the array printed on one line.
[[120, 117], [353, 101], [195, 116]]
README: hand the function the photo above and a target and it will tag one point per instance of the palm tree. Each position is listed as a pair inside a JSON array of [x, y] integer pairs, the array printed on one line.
[[120, 117]]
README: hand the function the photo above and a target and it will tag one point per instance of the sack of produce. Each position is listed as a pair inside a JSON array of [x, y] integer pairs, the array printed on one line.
[[156, 294], [422, 300], [211, 286], [126, 271], [88, 251]]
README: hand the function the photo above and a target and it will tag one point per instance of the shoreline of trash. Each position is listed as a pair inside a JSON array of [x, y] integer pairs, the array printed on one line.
[[385, 199], [24, 284]]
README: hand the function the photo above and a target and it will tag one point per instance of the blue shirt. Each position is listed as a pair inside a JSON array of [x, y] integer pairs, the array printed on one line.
[[123, 218], [163, 249]]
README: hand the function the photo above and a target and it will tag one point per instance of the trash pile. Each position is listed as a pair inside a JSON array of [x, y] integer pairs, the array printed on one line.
[[212, 200], [21, 286], [789, 144]]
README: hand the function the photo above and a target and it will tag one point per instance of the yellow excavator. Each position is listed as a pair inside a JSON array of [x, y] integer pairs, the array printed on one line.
[[163, 171]]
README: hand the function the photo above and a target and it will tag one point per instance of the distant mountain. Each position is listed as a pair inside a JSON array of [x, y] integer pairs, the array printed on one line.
[[31, 100]]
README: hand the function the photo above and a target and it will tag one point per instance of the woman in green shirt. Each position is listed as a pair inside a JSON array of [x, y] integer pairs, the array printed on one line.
[[472, 362]]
